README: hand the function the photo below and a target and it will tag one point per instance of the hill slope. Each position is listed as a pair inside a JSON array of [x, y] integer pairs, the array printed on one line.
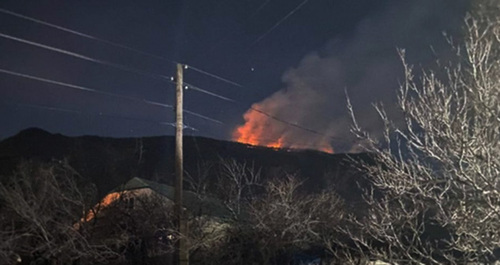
[[111, 161]]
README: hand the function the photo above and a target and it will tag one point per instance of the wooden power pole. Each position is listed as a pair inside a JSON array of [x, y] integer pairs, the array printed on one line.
[[181, 254]]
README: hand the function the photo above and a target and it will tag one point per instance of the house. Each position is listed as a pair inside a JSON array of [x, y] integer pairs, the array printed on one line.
[[135, 217], [193, 203]]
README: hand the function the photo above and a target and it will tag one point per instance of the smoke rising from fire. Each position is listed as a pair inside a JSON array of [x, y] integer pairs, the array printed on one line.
[[365, 63]]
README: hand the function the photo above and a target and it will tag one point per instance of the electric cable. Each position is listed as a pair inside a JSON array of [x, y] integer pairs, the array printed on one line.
[[87, 89]]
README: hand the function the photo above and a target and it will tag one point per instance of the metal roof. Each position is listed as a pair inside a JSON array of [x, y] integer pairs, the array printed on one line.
[[196, 205]]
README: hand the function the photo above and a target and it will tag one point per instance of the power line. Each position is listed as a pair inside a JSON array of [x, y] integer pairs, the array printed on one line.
[[54, 82], [58, 109], [262, 112], [168, 79], [87, 89], [136, 71], [214, 76], [172, 124], [279, 22], [114, 44], [290, 143], [86, 58], [202, 116], [5, 11], [189, 86], [293, 124], [260, 8], [266, 114]]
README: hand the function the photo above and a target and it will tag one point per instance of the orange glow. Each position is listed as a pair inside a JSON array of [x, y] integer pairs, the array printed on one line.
[[260, 130], [253, 131], [106, 201], [277, 144], [325, 149]]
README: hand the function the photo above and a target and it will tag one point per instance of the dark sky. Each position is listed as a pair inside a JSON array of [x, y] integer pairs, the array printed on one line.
[[326, 46]]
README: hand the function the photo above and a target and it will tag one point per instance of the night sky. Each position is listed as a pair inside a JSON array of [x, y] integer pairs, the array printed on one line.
[[296, 70]]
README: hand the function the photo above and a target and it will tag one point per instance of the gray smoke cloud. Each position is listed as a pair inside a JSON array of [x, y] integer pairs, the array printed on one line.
[[365, 64]]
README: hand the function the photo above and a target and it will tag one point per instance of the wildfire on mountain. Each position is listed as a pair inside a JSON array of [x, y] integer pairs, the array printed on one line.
[[262, 130]]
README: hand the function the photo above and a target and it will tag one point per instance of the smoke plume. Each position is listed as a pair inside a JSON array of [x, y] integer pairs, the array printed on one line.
[[365, 64]]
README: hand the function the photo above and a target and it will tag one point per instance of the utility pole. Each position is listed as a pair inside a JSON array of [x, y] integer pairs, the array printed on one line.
[[181, 254]]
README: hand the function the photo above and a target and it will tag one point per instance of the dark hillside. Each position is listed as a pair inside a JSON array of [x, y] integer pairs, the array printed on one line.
[[111, 161]]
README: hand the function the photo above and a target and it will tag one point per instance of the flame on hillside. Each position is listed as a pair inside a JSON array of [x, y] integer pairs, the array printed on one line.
[[261, 130]]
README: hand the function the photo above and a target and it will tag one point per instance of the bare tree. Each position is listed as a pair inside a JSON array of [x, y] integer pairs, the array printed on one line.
[[284, 220], [237, 183], [271, 221], [40, 204], [199, 181], [436, 196]]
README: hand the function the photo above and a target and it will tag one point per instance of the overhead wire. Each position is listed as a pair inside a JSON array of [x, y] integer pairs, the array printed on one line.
[[293, 124], [277, 24], [84, 57], [290, 145], [268, 114], [114, 44], [92, 90], [253, 108], [214, 76], [168, 79], [58, 109], [94, 38], [126, 68], [260, 8], [189, 86], [202, 116], [136, 71]]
